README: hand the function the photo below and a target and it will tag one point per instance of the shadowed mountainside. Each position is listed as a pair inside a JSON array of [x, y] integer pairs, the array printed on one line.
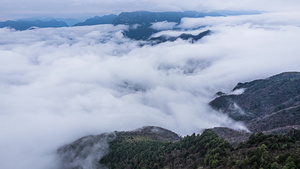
[[184, 36], [154, 148], [24, 25], [146, 17], [207, 150], [266, 104], [106, 19]]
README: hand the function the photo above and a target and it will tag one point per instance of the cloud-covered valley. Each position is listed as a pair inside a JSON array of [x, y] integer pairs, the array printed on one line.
[[58, 85]]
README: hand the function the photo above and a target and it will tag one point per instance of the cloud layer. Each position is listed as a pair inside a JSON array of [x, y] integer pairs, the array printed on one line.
[[15, 9], [58, 85]]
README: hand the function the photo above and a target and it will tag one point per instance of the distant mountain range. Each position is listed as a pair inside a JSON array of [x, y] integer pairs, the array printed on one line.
[[127, 18], [106, 19], [24, 25], [145, 17], [69, 21], [140, 23]]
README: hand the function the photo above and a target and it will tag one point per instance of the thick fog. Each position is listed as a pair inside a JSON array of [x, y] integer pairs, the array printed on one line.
[[58, 85]]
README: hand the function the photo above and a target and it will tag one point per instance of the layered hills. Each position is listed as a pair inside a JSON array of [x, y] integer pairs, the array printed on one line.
[[146, 17], [269, 108], [139, 22], [97, 20], [125, 18], [24, 25], [153, 147]]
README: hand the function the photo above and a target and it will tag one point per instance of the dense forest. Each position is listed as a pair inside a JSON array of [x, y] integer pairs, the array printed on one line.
[[207, 150]]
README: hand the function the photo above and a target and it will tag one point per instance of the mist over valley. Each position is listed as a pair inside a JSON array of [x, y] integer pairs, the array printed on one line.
[[61, 84]]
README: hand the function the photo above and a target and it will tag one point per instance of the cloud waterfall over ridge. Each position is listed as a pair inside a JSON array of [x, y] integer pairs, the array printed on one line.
[[58, 85]]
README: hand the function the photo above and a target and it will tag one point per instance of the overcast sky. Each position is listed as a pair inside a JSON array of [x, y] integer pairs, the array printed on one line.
[[12, 9]]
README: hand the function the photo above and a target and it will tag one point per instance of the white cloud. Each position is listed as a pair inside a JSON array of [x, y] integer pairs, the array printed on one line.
[[58, 85], [178, 32], [237, 91], [265, 19], [163, 25]]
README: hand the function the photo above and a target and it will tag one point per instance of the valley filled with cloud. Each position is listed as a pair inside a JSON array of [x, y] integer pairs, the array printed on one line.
[[60, 84]]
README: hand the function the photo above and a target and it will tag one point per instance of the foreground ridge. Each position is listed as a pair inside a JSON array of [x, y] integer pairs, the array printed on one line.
[[269, 107], [207, 150]]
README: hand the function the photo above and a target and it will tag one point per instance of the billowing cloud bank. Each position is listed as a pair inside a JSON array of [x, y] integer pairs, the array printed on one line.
[[58, 85]]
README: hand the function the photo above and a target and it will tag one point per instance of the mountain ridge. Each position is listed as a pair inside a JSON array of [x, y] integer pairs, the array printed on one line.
[[266, 104], [97, 20], [219, 147], [24, 25], [127, 18], [134, 149]]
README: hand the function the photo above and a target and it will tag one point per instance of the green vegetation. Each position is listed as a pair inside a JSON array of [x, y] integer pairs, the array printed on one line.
[[206, 150]]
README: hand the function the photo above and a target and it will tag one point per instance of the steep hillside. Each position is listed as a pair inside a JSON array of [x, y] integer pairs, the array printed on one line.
[[207, 150], [269, 107], [266, 104], [85, 152], [139, 152], [155, 147]]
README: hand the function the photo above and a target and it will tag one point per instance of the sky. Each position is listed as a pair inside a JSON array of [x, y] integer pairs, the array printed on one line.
[[60, 84], [16, 9]]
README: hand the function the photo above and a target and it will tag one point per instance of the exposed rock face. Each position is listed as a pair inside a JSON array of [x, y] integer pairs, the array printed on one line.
[[266, 104], [86, 152]]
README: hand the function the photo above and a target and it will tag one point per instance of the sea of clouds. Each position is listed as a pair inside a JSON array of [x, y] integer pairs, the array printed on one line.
[[57, 85]]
